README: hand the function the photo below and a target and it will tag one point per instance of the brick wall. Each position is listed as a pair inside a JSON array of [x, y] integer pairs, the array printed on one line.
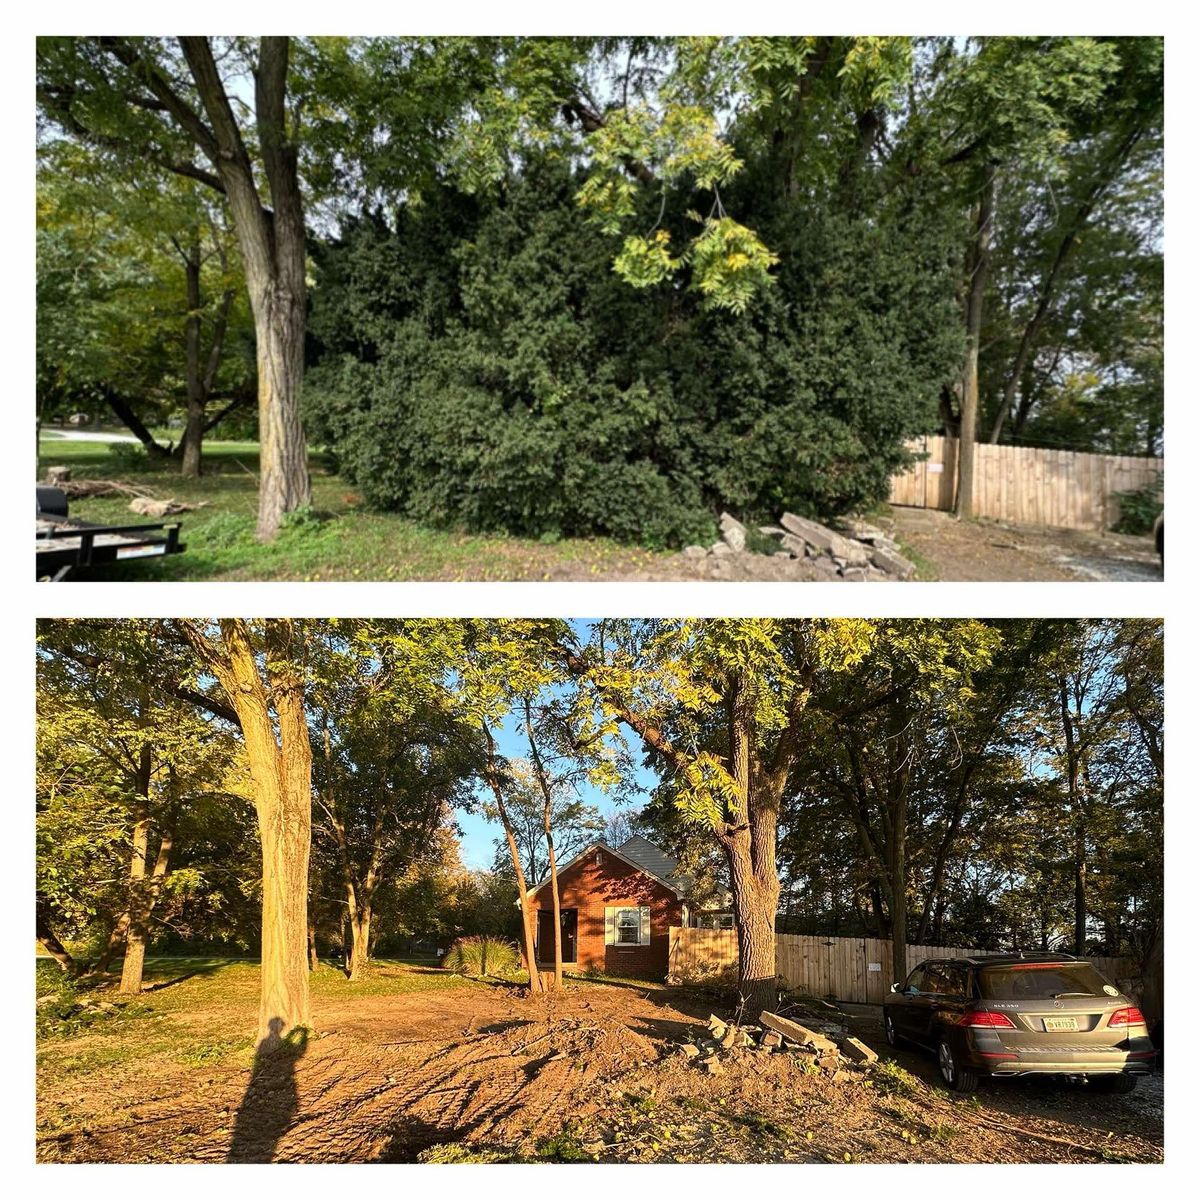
[[589, 887]]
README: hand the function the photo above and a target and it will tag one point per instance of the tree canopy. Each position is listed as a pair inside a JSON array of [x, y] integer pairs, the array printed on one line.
[[614, 285]]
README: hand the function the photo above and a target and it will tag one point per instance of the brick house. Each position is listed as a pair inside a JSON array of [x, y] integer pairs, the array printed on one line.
[[617, 908]]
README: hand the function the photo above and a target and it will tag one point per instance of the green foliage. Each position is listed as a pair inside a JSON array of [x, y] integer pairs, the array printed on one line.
[[1139, 508], [731, 264], [890, 1078], [481, 955], [112, 298], [501, 377], [564, 1146], [456, 1152]]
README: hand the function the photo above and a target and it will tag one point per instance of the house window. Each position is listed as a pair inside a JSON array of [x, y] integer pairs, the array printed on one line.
[[627, 926]]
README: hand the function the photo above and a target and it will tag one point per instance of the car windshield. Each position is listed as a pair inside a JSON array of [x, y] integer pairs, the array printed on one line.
[[1042, 981]]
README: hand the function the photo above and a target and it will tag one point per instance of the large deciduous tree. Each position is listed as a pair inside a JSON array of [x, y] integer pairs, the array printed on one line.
[[392, 759], [720, 707], [125, 767], [176, 106], [262, 669]]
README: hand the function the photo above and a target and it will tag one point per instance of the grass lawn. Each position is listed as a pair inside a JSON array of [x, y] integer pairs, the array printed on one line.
[[340, 540], [194, 1011]]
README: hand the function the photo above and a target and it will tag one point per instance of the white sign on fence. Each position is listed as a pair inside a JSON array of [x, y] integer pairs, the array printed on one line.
[[874, 966]]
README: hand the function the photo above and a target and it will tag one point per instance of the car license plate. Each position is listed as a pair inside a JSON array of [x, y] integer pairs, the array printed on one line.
[[1053, 1023]]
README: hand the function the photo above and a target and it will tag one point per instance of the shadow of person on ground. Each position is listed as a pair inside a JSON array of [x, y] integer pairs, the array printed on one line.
[[271, 1098]]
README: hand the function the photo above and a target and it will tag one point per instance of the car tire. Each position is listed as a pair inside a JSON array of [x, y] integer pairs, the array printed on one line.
[[889, 1029], [955, 1076], [1118, 1084]]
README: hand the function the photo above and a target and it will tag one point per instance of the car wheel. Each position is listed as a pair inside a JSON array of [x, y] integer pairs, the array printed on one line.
[[1120, 1084], [889, 1029], [957, 1078]]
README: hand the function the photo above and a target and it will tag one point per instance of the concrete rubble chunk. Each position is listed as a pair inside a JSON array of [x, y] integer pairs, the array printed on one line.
[[894, 564], [733, 532], [861, 531], [774, 531], [691, 1050], [695, 552], [858, 1052], [771, 1039], [855, 574], [824, 538], [721, 548], [733, 1037], [794, 1031], [796, 545]]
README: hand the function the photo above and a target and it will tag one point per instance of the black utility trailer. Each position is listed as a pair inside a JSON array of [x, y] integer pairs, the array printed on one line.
[[63, 545]]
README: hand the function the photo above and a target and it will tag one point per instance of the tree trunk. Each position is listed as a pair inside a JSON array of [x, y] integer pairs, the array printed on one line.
[[1078, 820], [133, 423], [1079, 864], [313, 960], [135, 935], [1152, 985], [284, 484], [899, 906], [49, 942], [116, 939], [749, 841], [977, 264], [280, 766], [273, 254], [194, 432], [360, 941], [492, 776], [754, 902], [547, 815], [141, 909]]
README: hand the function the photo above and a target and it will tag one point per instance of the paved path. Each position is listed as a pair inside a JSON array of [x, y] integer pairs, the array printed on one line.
[[85, 435]]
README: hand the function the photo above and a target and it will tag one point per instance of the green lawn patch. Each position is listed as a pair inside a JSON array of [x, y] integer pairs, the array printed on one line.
[[337, 539]]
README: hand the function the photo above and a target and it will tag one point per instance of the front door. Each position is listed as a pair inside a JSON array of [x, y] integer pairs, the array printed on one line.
[[545, 934]]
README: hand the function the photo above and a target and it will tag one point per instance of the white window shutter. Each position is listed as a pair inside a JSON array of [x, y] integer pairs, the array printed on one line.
[[645, 938], [610, 926]]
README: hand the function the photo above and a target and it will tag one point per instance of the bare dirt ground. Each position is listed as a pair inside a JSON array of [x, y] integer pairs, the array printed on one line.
[[983, 550], [478, 1073], [944, 548]]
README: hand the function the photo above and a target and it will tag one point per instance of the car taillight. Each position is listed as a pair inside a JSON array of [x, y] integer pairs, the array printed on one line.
[[1127, 1016], [986, 1020]]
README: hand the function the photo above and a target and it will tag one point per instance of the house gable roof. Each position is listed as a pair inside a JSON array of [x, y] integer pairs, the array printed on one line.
[[654, 857]]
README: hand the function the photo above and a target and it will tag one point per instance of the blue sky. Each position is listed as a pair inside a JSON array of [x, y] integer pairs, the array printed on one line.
[[479, 835]]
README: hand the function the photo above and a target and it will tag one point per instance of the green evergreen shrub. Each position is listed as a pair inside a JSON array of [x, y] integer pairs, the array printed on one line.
[[480, 364]]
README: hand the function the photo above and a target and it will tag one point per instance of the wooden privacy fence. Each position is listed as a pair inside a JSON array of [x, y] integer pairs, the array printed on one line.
[[858, 970], [1024, 485]]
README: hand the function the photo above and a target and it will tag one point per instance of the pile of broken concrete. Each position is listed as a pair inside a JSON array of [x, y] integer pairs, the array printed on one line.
[[856, 551], [827, 1048]]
